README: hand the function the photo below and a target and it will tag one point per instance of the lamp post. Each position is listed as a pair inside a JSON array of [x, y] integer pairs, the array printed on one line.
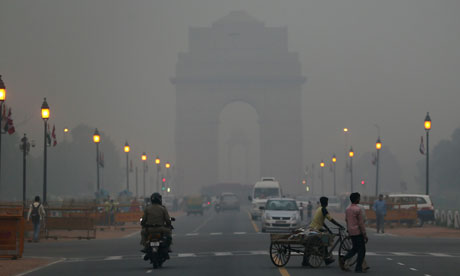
[[127, 149], [427, 130], [351, 153], [2, 100], [97, 140], [322, 177], [158, 163], [144, 165], [334, 160], [168, 183], [45, 117], [378, 146], [25, 147]]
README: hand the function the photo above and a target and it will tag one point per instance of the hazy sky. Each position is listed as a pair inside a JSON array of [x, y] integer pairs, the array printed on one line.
[[108, 64]]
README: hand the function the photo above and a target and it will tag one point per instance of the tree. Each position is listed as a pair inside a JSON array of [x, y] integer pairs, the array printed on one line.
[[444, 171]]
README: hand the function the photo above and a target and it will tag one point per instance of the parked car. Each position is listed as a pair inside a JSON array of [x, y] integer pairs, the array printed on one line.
[[229, 201], [334, 204], [280, 215]]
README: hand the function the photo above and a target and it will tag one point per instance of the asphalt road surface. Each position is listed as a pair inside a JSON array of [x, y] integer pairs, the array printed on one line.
[[229, 243]]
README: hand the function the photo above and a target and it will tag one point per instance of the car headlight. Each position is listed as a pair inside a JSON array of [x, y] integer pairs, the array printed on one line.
[[267, 216]]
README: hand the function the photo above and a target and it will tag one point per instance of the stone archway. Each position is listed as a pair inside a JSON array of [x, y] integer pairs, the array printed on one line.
[[238, 59]]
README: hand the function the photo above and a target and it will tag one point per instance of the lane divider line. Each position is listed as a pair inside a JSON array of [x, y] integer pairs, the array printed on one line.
[[253, 223], [401, 264], [41, 267], [149, 271], [284, 272], [204, 223], [413, 269]]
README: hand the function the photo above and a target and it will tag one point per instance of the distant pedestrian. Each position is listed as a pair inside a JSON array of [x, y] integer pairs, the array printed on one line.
[[301, 211], [380, 209], [309, 211], [357, 232], [37, 214]]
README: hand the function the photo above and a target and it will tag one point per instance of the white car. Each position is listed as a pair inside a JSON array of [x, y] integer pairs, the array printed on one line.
[[280, 215], [425, 208]]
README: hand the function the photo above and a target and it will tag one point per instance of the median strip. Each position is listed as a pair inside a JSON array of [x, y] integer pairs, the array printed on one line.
[[283, 271]]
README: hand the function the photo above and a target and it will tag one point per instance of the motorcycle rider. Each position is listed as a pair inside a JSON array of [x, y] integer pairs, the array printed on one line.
[[155, 220]]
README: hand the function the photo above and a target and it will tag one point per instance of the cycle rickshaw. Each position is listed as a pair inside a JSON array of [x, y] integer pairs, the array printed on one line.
[[282, 247]]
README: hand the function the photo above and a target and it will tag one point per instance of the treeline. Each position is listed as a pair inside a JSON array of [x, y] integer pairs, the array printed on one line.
[[71, 166]]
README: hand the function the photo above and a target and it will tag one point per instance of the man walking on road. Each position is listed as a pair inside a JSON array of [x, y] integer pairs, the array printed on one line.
[[37, 213], [380, 209], [357, 232]]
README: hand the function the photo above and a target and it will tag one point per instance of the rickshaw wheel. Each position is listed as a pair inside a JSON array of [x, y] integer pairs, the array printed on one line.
[[315, 251], [346, 245], [280, 253]]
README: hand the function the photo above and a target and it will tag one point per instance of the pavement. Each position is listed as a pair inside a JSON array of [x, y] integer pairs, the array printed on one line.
[[228, 243]]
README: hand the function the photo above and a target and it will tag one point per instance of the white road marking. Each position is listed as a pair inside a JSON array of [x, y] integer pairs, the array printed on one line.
[[390, 259], [132, 235], [215, 233], [112, 258], [427, 275], [185, 255], [223, 253], [204, 223], [401, 264], [259, 252], [239, 233], [38, 268], [407, 254], [191, 234], [440, 255], [371, 254], [149, 271], [413, 269]]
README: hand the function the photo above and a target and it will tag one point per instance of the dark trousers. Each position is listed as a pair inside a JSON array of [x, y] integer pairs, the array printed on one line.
[[380, 221], [359, 246]]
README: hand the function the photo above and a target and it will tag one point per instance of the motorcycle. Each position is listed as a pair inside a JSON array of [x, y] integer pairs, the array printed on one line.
[[158, 249]]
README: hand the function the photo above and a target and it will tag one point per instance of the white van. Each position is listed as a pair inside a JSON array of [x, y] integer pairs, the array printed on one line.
[[264, 189]]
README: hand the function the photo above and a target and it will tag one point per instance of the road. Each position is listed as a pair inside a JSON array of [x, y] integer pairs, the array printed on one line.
[[229, 244]]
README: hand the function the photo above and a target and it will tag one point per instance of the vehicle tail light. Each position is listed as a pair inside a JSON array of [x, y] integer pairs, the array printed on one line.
[[430, 208]]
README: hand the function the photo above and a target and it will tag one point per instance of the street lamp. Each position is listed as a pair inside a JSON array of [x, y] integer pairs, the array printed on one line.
[[127, 149], [144, 165], [97, 140], [378, 147], [334, 160], [322, 177], [351, 153], [158, 163], [2, 100], [45, 117], [427, 130]]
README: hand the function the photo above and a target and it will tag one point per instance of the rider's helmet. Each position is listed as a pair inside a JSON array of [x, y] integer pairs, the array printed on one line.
[[156, 198], [324, 201]]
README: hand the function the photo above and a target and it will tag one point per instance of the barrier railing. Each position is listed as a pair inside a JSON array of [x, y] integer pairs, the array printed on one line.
[[11, 232], [396, 213]]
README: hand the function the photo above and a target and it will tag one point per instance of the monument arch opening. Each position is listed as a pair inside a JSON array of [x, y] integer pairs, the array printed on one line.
[[239, 143]]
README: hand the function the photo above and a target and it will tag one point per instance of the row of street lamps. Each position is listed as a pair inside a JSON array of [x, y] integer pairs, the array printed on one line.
[[378, 147], [127, 149]]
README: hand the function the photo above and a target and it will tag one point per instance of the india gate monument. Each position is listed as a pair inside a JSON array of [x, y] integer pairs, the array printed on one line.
[[238, 59]]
